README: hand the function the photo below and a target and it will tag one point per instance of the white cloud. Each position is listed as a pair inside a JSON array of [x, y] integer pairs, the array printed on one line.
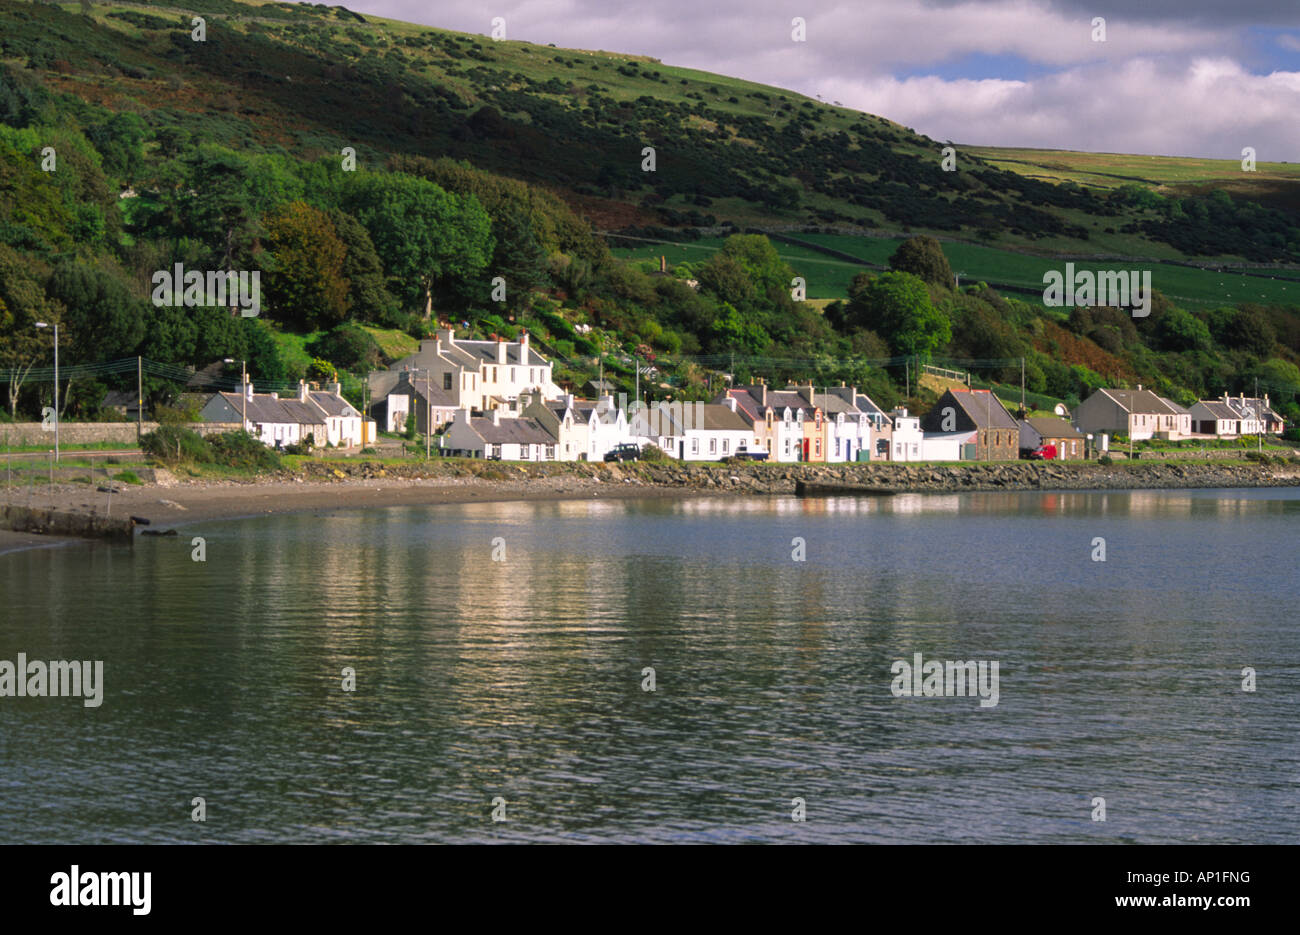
[[1208, 107], [1159, 85]]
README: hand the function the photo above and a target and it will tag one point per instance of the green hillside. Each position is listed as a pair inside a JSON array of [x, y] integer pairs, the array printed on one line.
[[383, 176]]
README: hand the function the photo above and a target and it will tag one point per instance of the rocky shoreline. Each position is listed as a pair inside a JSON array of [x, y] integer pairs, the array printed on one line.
[[759, 478], [318, 486]]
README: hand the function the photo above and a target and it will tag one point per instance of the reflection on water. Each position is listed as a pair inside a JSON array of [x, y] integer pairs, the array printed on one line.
[[522, 678]]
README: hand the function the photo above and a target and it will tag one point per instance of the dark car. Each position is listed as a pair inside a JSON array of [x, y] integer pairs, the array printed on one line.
[[751, 454], [624, 452]]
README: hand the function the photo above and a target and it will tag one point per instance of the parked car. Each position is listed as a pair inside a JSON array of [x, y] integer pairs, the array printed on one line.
[[751, 454], [624, 452]]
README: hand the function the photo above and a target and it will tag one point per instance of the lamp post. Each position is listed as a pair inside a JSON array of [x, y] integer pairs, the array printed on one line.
[[243, 392], [41, 324]]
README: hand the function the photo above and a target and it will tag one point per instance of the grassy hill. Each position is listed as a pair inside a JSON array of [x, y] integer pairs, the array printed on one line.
[[477, 158], [313, 79]]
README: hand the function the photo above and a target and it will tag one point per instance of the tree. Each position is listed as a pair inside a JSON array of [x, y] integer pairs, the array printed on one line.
[[923, 257], [424, 232], [897, 307], [368, 297], [305, 288], [103, 321]]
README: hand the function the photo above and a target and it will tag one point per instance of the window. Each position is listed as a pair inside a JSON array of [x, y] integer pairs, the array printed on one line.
[[817, 449], [713, 446], [446, 381], [512, 374], [523, 452], [695, 446], [725, 441], [531, 378], [550, 452]]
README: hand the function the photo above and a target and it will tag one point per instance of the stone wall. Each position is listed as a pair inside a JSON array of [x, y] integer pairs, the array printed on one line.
[[54, 523], [85, 433]]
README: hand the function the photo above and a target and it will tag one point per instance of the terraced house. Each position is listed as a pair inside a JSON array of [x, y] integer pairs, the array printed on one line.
[[785, 423]]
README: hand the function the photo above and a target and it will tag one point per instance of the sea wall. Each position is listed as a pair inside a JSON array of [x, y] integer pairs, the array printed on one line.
[[54, 523], [782, 478]]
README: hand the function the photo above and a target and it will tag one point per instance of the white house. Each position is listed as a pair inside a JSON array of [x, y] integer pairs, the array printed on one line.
[[693, 431], [275, 422], [477, 375], [499, 436], [905, 445], [343, 423], [948, 446]]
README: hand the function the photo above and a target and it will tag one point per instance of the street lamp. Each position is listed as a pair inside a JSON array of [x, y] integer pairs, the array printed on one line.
[[55, 326], [243, 392]]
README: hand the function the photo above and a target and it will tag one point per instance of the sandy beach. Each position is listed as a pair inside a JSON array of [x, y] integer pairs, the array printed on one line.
[[183, 503]]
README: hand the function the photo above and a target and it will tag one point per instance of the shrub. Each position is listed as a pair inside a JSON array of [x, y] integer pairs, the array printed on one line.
[[127, 477], [242, 450], [653, 453], [173, 444], [1105, 459]]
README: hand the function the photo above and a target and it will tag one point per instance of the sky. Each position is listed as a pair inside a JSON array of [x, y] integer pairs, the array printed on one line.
[[1173, 77]]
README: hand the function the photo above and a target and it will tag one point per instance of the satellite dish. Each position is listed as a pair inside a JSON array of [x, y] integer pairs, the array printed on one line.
[[1061, 411]]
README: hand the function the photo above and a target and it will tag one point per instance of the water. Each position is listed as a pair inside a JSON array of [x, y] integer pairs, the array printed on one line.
[[523, 678]]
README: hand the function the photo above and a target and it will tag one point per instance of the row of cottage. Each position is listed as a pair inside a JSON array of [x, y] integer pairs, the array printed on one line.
[[498, 399]]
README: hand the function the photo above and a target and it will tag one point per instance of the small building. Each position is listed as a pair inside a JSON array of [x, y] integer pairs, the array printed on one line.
[[948, 446], [907, 439], [499, 436], [275, 422], [692, 431], [1215, 417], [1049, 430], [958, 410], [1138, 413]]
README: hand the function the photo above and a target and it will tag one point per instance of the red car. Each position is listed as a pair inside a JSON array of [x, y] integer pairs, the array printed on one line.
[[1043, 453]]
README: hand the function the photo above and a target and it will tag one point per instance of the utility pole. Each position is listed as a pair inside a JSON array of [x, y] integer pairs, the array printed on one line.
[[139, 399], [1022, 385], [428, 416], [41, 324]]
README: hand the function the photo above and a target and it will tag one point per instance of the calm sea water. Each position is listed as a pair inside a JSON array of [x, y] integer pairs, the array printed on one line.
[[522, 679]]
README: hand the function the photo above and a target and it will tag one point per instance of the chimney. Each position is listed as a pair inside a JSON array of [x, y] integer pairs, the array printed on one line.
[[335, 388], [568, 399], [1139, 387], [496, 416], [302, 391], [763, 395], [731, 402], [446, 336], [523, 346], [501, 349], [248, 391]]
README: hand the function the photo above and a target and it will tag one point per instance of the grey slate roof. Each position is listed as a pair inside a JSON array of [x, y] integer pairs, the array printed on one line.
[[1141, 402], [982, 407], [1220, 410], [522, 431], [1052, 427], [331, 404]]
